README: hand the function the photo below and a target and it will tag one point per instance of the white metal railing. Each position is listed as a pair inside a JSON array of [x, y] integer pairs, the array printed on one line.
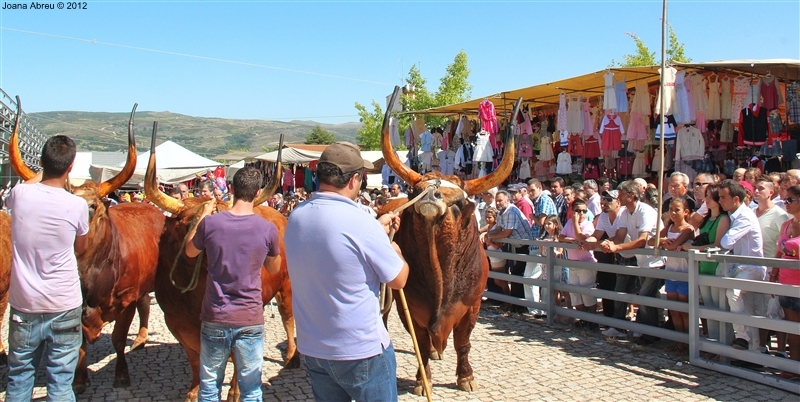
[[695, 310]]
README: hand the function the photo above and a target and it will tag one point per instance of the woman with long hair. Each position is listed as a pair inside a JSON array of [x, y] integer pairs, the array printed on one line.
[[789, 249]]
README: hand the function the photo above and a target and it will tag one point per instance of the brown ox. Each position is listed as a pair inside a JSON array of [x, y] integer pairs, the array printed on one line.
[[182, 309], [5, 269], [448, 266], [118, 268]]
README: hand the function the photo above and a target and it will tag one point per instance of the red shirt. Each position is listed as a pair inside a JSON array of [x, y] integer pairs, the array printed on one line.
[[526, 206]]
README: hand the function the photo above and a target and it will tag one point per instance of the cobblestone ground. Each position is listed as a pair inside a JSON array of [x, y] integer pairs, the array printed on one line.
[[515, 358]]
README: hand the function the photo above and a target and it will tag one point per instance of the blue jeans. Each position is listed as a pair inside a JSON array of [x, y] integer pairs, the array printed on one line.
[[216, 343], [370, 379], [56, 335]]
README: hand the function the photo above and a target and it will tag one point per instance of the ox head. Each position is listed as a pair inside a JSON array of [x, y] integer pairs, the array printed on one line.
[[93, 193], [185, 209], [447, 193]]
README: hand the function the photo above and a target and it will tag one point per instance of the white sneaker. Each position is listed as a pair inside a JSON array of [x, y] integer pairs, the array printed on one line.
[[613, 333]]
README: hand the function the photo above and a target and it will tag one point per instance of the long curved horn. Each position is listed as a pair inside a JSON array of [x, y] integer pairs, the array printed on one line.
[[477, 186], [106, 187], [389, 155], [275, 181], [19, 166], [155, 195]]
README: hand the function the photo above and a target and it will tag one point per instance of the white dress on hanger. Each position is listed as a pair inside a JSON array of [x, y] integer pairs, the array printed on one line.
[[670, 103], [564, 163], [546, 153], [524, 169], [609, 94], [483, 151]]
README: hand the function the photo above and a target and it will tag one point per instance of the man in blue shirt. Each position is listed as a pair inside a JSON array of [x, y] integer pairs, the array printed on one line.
[[337, 257]]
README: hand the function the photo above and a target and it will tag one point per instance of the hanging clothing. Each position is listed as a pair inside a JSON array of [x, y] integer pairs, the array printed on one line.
[[524, 169], [488, 117], [792, 102], [525, 126], [669, 128], [564, 163], [483, 151], [612, 130], [609, 94], [546, 154], [741, 88], [700, 93], [446, 161], [770, 93], [689, 144], [754, 92], [575, 147], [525, 146], [541, 169], [641, 99], [753, 125], [574, 116], [425, 138], [725, 98], [670, 102], [682, 98], [690, 98], [562, 113], [714, 111], [394, 131], [591, 147], [726, 132], [621, 90], [588, 127], [638, 169]]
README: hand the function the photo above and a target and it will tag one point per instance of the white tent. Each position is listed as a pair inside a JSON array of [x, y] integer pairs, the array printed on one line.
[[80, 170], [290, 155], [174, 164]]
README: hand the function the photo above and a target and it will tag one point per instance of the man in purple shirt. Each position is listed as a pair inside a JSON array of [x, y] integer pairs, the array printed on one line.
[[237, 243]]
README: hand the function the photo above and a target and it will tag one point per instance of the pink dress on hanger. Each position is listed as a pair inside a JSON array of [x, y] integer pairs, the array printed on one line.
[[741, 88], [489, 121]]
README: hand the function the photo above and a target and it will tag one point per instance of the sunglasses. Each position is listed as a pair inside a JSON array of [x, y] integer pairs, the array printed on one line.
[[608, 199], [581, 211], [701, 184], [791, 200]]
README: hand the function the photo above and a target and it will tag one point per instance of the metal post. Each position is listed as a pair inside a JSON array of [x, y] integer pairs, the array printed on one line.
[[663, 120], [551, 261], [694, 304]]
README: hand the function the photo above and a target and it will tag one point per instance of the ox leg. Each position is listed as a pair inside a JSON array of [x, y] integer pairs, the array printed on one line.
[[287, 317], [3, 306], [424, 343], [81, 378], [188, 337], [119, 338], [143, 308], [461, 334]]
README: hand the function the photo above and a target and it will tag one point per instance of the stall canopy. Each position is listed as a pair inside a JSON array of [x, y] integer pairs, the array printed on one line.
[[174, 164], [592, 84], [290, 155]]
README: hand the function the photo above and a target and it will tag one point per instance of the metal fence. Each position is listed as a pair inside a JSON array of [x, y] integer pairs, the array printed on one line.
[[31, 139], [697, 344]]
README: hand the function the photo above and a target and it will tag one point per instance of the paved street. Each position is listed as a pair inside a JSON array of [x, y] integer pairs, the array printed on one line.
[[515, 358]]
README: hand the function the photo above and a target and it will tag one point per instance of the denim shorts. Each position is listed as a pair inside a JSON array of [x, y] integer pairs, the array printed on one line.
[[791, 303], [679, 287]]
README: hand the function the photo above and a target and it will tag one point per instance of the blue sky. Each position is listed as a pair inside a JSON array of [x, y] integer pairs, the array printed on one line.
[[313, 60]]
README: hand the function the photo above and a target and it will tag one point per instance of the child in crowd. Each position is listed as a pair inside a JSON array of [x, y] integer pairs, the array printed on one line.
[[552, 229], [672, 238], [491, 227]]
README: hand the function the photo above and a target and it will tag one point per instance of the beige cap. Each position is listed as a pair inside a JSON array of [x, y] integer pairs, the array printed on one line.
[[345, 156]]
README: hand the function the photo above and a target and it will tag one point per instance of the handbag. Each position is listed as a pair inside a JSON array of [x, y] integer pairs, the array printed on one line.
[[774, 309]]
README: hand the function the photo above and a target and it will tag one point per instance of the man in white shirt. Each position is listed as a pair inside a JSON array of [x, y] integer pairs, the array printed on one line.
[[635, 225], [593, 203], [744, 238]]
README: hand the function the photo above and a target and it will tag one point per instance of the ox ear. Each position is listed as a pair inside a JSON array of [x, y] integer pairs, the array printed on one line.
[[155, 195], [19, 166], [275, 181], [389, 155], [106, 187], [477, 186]]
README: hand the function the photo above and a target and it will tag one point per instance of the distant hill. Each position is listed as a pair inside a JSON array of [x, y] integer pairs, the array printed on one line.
[[208, 136]]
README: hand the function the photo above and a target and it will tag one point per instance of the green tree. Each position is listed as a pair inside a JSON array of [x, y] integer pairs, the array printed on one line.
[[454, 87], [369, 135], [644, 57], [320, 136]]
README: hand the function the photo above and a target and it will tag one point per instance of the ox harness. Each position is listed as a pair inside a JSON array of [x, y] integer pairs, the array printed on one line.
[[198, 260]]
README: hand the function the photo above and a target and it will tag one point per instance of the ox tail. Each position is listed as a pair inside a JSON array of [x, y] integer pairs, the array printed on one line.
[[438, 281]]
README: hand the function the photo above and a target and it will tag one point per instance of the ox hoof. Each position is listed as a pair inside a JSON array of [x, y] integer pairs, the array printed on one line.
[[467, 384], [435, 355], [122, 382], [419, 389], [78, 388], [3, 358]]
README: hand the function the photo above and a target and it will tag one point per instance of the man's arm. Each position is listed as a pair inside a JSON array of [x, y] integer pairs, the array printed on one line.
[[81, 243], [273, 264], [191, 250], [501, 234], [738, 229], [399, 281]]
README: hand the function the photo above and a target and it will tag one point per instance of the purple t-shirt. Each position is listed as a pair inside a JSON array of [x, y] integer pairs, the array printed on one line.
[[587, 229], [236, 246]]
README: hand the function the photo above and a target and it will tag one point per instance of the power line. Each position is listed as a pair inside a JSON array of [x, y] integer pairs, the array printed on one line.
[[243, 63]]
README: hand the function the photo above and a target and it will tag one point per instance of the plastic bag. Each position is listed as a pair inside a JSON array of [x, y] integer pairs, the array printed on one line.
[[774, 309]]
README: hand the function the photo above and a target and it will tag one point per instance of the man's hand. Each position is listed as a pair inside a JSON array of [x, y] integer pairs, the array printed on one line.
[[608, 246], [390, 221], [208, 208]]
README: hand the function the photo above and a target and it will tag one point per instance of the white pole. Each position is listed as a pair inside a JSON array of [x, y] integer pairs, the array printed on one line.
[[663, 120]]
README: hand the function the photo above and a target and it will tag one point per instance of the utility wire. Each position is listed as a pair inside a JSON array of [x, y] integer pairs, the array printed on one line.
[[243, 63]]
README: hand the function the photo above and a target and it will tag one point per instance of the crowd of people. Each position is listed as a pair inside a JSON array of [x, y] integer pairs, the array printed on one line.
[[752, 215]]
